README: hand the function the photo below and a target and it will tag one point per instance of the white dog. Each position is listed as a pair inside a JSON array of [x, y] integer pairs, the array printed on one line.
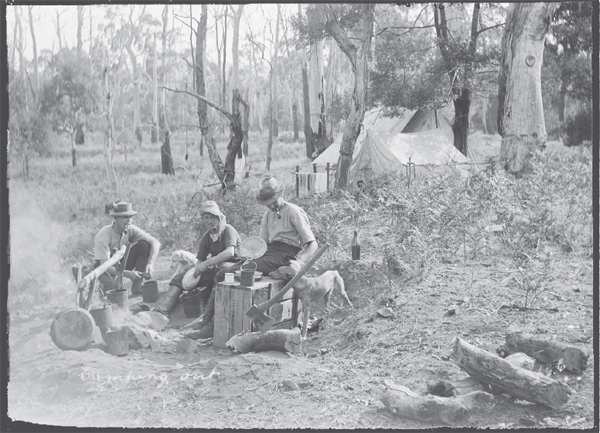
[[182, 261]]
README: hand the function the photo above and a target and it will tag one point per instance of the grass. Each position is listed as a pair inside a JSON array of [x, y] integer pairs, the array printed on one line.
[[424, 249], [406, 231]]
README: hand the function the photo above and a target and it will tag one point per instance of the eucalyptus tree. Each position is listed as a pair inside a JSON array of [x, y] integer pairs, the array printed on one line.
[[357, 20], [69, 94], [520, 107]]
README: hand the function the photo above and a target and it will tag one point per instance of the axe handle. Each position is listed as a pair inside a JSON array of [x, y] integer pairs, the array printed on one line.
[[102, 268], [266, 305]]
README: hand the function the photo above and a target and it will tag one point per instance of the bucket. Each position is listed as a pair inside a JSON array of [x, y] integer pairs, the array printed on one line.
[[150, 291], [117, 341], [247, 275], [118, 297], [191, 303], [103, 318]]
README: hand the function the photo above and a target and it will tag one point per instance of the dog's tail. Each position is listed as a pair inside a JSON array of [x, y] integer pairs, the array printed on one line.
[[339, 282]]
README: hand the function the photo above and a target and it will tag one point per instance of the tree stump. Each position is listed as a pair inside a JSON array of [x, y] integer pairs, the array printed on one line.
[[548, 352], [405, 403], [527, 385], [282, 340]]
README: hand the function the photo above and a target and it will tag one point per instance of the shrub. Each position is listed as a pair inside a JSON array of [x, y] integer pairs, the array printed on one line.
[[579, 128]]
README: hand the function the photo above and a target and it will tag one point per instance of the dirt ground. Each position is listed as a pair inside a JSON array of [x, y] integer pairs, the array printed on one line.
[[334, 382]]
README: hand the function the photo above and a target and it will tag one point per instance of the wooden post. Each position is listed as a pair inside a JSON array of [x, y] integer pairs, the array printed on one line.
[[297, 181], [527, 385]]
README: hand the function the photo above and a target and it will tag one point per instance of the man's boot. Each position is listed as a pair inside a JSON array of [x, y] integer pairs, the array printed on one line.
[[205, 331]]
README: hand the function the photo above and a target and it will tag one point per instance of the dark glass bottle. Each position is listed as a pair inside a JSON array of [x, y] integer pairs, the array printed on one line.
[[355, 246]]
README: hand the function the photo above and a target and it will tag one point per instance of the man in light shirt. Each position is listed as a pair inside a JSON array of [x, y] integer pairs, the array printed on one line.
[[143, 251]]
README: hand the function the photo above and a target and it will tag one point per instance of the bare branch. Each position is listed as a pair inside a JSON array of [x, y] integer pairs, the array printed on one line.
[[203, 99], [490, 28]]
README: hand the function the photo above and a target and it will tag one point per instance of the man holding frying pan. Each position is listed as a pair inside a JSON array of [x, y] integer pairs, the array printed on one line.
[[217, 245], [284, 228]]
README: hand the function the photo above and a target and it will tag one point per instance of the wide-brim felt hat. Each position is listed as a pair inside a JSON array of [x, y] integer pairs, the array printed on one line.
[[269, 190], [211, 207], [122, 208]]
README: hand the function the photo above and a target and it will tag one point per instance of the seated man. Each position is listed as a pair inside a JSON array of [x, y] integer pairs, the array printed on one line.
[[220, 242], [286, 230], [142, 254]]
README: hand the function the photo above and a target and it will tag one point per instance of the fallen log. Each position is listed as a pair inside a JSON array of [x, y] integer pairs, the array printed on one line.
[[549, 352], [466, 385], [282, 340], [527, 385], [404, 403]]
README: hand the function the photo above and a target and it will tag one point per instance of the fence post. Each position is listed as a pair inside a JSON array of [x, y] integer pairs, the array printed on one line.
[[297, 181]]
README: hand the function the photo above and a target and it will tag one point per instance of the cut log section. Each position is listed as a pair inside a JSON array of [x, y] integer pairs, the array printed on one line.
[[527, 385], [282, 340], [548, 352], [405, 403]]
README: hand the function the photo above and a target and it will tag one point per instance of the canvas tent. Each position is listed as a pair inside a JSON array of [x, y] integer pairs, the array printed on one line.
[[382, 148]]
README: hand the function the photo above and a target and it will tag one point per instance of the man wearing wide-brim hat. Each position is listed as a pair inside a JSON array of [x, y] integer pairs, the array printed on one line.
[[286, 230], [217, 245], [143, 251], [284, 227]]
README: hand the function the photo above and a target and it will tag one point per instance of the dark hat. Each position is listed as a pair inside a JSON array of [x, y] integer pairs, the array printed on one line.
[[122, 208], [269, 191], [211, 207]]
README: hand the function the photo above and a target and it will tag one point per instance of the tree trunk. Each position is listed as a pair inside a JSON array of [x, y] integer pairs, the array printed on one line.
[[527, 385], [316, 88], [165, 156], [205, 127], [108, 134], [163, 96], [79, 26], [236, 138], [359, 60], [295, 115], [59, 36], [332, 68], [273, 94], [308, 134], [275, 77], [20, 44], [136, 93], [520, 107], [155, 132], [235, 43], [36, 76], [224, 101], [460, 127]]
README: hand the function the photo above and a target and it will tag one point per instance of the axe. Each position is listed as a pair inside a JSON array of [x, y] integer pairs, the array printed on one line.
[[257, 313]]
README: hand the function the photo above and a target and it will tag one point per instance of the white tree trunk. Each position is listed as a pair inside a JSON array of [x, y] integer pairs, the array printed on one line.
[[315, 85], [520, 111]]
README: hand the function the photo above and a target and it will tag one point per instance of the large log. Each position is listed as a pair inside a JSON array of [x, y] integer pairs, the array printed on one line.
[[549, 352], [405, 403], [466, 385], [282, 340], [527, 385]]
